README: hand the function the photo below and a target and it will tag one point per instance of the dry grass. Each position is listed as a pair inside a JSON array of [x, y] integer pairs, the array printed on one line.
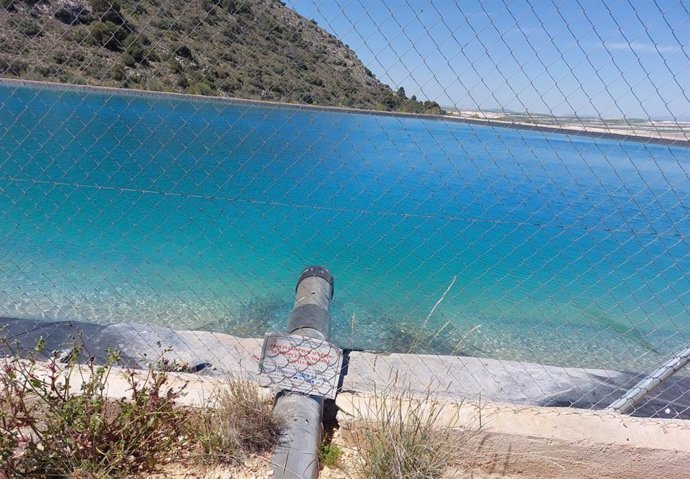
[[405, 438], [239, 422]]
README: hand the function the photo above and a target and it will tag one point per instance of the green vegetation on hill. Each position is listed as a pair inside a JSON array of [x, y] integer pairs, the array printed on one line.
[[254, 49]]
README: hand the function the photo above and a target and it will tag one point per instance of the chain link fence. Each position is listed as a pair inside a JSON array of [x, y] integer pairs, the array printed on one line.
[[537, 219]]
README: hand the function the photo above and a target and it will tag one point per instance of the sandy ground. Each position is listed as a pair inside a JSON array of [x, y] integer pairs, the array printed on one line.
[[588, 445], [489, 456], [252, 468]]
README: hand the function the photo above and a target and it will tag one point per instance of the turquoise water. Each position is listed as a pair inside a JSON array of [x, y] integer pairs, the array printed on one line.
[[200, 215]]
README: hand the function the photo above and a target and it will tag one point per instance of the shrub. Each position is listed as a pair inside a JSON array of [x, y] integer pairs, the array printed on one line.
[[60, 57], [151, 55], [82, 35], [13, 66], [183, 51], [210, 5], [75, 79], [118, 73], [412, 106], [201, 88], [230, 85], [238, 7], [390, 102], [316, 81], [73, 13], [182, 81], [238, 423], [433, 108], [48, 429], [30, 27], [46, 70], [128, 60], [175, 66], [406, 438], [135, 49], [11, 5], [108, 35], [108, 11]]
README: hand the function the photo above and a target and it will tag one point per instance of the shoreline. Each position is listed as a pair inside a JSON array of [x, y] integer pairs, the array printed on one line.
[[454, 378], [574, 130]]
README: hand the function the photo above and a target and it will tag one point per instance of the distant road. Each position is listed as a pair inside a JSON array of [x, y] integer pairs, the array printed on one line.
[[666, 132]]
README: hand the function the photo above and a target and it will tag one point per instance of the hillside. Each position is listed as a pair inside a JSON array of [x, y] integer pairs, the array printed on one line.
[[255, 49]]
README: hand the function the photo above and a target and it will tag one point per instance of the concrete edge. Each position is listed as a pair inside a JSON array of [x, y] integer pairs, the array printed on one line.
[[579, 426]]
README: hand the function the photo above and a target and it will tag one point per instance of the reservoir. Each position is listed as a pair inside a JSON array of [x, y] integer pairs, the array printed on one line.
[[199, 214]]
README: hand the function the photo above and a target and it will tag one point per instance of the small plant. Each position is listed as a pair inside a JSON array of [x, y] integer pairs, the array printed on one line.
[[238, 7], [238, 423], [56, 421], [30, 27], [109, 35], [329, 455], [406, 438], [183, 51], [128, 61], [201, 88]]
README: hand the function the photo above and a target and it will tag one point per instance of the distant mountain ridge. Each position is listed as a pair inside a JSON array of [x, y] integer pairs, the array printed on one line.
[[254, 49]]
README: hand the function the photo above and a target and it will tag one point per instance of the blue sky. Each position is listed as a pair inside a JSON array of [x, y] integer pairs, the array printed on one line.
[[601, 58]]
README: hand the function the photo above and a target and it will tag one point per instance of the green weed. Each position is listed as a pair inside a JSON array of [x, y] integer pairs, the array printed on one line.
[[56, 420], [329, 455]]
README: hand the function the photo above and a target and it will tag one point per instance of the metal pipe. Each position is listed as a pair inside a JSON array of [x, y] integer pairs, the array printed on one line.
[[644, 387], [295, 456]]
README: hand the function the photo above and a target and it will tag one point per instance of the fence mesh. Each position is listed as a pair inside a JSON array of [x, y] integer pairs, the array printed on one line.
[[538, 220]]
